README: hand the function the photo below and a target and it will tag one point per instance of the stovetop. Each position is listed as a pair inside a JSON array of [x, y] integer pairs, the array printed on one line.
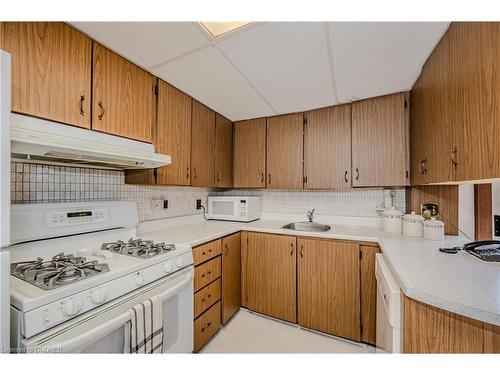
[[138, 248], [59, 271], [489, 253]]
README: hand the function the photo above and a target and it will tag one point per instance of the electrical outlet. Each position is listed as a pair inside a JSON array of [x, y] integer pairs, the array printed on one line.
[[165, 204], [156, 203], [198, 204]]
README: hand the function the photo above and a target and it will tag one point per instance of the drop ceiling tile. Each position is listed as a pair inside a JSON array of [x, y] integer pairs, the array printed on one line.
[[210, 78], [377, 58], [146, 43], [287, 62]]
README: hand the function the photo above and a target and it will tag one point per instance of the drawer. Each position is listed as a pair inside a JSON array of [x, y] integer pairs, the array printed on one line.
[[207, 272], [206, 297], [206, 326], [207, 251]]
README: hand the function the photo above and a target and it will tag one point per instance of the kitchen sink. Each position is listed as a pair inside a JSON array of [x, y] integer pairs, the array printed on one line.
[[308, 227]]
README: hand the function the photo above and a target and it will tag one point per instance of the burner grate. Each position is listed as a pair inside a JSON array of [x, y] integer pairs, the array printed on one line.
[[138, 248]]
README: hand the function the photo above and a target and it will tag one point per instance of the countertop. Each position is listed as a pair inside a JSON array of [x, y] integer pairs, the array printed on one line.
[[459, 283]]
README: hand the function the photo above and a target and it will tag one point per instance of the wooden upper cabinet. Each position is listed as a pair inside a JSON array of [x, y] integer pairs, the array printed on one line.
[[285, 141], [202, 145], [379, 141], [327, 148], [269, 274], [328, 287], [173, 135], [231, 276], [249, 161], [223, 152], [51, 69], [123, 97]]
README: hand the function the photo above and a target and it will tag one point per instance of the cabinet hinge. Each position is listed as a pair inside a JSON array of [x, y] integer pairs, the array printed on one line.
[[305, 179], [156, 90]]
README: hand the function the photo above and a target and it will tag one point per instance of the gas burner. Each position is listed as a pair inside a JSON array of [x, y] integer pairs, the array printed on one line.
[[61, 270], [138, 248]]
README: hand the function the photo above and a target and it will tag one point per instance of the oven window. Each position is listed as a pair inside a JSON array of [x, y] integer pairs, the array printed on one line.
[[223, 208]]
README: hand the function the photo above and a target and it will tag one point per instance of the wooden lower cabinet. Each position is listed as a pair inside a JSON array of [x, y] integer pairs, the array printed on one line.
[[231, 276], [428, 329], [329, 287], [206, 326], [269, 274], [368, 293], [206, 297]]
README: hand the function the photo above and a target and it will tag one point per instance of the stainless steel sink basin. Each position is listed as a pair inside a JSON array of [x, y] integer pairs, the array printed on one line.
[[308, 227]]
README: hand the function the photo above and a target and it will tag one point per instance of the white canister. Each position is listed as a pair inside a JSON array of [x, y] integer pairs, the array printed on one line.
[[413, 224], [434, 229], [391, 220]]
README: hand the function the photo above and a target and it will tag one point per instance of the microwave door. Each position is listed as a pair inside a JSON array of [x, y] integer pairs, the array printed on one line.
[[102, 331]]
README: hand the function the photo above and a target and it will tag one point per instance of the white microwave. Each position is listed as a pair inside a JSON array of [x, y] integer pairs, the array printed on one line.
[[233, 208]]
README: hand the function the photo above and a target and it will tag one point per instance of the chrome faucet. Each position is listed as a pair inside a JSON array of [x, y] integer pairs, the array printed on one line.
[[310, 215]]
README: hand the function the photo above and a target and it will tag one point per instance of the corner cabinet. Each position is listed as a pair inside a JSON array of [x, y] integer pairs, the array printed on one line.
[[51, 70], [231, 276], [269, 274], [249, 154], [223, 152], [123, 96], [380, 141], [327, 148], [202, 145], [285, 142]]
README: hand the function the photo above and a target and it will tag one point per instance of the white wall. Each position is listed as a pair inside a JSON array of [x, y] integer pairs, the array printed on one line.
[[466, 209]]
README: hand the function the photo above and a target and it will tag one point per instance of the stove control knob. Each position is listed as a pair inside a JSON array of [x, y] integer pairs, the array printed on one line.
[[179, 262], [167, 267], [139, 280], [98, 296], [71, 307]]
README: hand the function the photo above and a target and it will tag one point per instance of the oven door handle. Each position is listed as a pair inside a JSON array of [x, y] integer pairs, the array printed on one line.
[[76, 342]]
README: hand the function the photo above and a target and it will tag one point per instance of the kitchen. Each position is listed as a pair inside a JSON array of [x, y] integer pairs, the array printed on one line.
[[166, 189]]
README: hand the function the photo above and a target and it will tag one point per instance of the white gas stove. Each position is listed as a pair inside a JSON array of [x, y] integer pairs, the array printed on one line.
[[73, 261]]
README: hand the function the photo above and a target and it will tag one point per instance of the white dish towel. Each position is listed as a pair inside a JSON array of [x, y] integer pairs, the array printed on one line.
[[144, 330]]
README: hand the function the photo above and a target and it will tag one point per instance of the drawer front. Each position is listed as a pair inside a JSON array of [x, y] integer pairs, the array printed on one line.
[[206, 297], [206, 326], [206, 273], [207, 251]]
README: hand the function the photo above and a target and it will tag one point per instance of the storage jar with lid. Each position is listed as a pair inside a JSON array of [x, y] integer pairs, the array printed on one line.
[[413, 224], [391, 220], [434, 229]]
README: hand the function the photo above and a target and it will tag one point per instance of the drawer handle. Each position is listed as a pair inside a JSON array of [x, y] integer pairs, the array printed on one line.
[[206, 298], [209, 272], [209, 250], [203, 253], [209, 324]]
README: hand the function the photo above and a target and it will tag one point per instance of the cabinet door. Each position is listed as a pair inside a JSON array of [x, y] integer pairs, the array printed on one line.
[[249, 162], [173, 135], [231, 276], [327, 148], [223, 152], [51, 67], [285, 141], [269, 275], [379, 144], [328, 287], [368, 294], [202, 145], [123, 98]]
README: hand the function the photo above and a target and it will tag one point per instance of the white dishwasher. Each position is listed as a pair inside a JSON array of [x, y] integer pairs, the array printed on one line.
[[388, 308]]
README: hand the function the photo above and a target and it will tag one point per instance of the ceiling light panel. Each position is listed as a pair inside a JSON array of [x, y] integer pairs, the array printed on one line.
[[217, 29]]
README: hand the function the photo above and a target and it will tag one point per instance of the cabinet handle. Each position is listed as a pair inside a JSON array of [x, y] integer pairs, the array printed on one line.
[[357, 174], [82, 100], [345, 176], [262, 178], [301, 249], [203, 253], [291, 245], [102, 110], [187, 173], [454, 156], [195, 173], [217, 178], [227, 249], [422, 167], [269, 178]]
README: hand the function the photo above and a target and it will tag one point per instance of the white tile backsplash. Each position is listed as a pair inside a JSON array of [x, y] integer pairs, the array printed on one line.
[[35, 183]]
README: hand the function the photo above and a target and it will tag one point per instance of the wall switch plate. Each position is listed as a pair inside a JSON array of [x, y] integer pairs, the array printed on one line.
[[156, 203], [198, 204], [496, 220]]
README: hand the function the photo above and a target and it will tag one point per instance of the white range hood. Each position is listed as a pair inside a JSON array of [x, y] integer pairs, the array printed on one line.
[[40, 140]]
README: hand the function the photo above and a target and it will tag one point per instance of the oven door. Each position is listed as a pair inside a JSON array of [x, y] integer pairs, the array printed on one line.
[[102, 330]]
